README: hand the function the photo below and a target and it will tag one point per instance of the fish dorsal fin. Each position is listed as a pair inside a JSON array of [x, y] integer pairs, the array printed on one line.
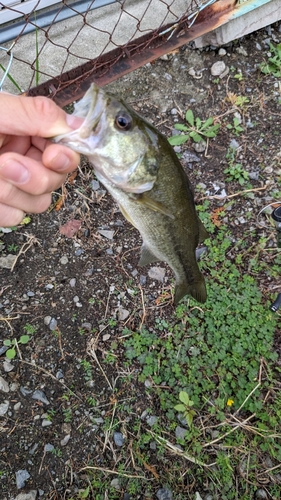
[[148, 202], [147, 257]]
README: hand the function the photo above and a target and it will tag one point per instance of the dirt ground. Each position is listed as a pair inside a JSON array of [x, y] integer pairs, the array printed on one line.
[[76, 294]]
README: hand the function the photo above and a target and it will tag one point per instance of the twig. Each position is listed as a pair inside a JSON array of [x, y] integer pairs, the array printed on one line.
[[179, 452], [7, 320], [143, 308], [108, 431], [91, 351], [249, 395], [224, 435], [25, 247], [109, 471]]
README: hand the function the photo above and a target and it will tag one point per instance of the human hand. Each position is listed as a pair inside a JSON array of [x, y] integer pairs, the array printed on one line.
[[31, 167]]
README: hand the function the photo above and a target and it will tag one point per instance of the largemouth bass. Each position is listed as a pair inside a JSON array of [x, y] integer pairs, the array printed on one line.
[[141, 171]]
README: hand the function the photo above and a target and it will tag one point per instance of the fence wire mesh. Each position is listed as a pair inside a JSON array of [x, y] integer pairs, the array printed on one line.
[[82, 36]]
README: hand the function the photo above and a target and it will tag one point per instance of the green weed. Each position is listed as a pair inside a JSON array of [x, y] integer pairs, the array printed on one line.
[[195, 128], [235, 127], [23, 339], [273, 65]]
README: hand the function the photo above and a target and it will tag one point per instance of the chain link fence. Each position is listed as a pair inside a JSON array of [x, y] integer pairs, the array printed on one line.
[[69, 40], [58, 48]]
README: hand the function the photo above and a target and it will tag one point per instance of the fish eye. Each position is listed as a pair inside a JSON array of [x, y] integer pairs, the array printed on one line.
[[123, 121]]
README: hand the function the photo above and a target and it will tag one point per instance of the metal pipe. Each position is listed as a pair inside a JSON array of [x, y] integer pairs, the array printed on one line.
[[46, 18]]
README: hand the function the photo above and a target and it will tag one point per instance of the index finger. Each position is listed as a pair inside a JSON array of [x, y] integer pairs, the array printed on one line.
[[34, 116]]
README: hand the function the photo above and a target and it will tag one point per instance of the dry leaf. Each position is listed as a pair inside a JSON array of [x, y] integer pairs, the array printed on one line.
[[70, 228]]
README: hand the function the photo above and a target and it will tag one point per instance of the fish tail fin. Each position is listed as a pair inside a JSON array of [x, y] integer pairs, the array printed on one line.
[[197, 290]]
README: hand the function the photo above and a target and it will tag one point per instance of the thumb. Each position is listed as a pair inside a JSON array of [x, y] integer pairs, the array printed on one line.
[[34, 116]]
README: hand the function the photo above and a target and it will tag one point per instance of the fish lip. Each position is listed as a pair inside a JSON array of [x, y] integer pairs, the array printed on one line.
[[91, 108]]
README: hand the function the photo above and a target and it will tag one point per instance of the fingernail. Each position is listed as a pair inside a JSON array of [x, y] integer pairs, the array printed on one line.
[[74, 121], [14, 171], [61, 162]]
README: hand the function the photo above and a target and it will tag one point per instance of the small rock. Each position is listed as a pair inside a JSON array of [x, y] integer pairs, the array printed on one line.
[[200, 147], [95, 185], [190, 157], [46, 423], [118, 439], [217, 68], [151, 420], [167, 76], [24, 391], [258, 46], [199, 252], [21, 476], [53, 324], [65, 440], [17, 406], [142, 280], [14, 386], [33, 449], [157, 273], [107, 233], [98, 420], [87, 326], [32, 495], [234, 144], [8, 261], [106, 337], [64, 260], [40, 396], [7, 365], [198, 496], [59, 375], [122, 313], [48, 447], [164, 494], [180, 432], [165, 57], [115, 484], [4, 386], [242, 51], [72, 282], [254, 176], [3, 349], [222, 52], [47, 320], [4, 408], [174, 111]]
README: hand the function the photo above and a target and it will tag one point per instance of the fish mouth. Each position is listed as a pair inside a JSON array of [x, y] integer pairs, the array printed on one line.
[[91, 108]]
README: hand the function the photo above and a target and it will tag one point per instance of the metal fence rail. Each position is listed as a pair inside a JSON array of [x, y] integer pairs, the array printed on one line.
[[59, 50]]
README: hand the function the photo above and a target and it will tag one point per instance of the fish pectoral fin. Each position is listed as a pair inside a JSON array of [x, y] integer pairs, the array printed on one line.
[[196, 290], [203, 233], [148, 202], [147, 257], [126, 215]]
